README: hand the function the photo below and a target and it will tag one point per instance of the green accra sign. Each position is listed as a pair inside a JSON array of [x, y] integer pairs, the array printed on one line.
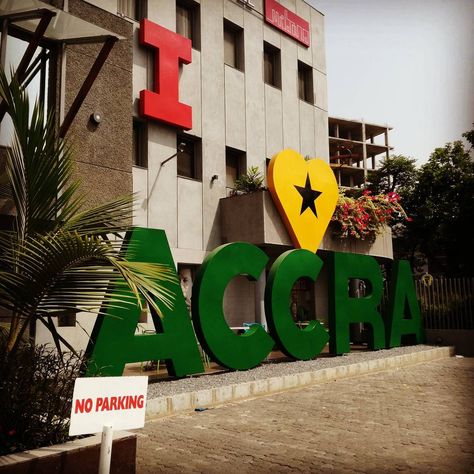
[[305, 192], [114, 342]]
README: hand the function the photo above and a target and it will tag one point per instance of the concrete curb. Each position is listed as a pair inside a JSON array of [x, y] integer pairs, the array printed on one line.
[[170, 405]]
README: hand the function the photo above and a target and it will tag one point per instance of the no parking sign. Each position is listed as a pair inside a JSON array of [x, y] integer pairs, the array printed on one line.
[[99, 401], [104, 404]]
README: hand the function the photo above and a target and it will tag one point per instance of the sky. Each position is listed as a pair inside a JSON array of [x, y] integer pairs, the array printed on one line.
[[405, 63]]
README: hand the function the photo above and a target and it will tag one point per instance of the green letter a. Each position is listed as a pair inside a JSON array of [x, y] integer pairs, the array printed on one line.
[[114, 343], [403, 300]]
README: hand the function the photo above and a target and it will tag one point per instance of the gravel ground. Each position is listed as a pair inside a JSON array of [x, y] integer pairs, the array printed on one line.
[[270, 369]]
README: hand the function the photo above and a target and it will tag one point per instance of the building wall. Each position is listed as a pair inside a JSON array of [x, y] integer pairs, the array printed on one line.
[[230, 108], [103, 153]]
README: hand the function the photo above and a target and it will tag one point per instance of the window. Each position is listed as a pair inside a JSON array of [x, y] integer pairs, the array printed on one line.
[[234, 166], [134, 9], [150, 70], [140, 139], [233, 45], [305, 82], [271, 65], [187, 21], [188, 157], [67, 320]]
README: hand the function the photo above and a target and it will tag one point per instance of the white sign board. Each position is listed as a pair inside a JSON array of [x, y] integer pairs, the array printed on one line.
[[100, 401]]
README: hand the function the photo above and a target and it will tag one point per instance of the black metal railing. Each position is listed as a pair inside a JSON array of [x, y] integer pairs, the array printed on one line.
[[446, 303]]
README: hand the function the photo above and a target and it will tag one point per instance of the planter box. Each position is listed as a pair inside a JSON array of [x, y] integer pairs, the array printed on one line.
[[381, 247], [80, 456], [254, 218]]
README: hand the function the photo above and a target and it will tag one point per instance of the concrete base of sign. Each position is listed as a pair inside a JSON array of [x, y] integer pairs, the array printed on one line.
[[170, 405], [80, 456]]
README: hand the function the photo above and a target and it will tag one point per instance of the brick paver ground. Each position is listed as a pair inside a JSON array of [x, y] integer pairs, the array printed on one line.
[[417, 419]]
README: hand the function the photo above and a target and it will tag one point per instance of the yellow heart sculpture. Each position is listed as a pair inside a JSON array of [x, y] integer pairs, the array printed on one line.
[[305, 193]]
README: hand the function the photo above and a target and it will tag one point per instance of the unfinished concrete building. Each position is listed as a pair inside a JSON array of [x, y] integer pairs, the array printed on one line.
[[353, 148]]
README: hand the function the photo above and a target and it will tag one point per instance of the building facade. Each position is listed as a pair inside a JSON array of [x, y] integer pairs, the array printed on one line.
[[254, 90], [184, 97]]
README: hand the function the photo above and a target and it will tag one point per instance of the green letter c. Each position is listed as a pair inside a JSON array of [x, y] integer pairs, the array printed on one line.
[[234, 351], [301, 344]]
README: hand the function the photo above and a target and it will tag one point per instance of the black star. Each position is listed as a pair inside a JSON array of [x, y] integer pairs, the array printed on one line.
[[309, 195]]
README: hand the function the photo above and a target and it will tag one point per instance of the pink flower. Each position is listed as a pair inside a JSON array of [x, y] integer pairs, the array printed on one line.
[[393, 197]]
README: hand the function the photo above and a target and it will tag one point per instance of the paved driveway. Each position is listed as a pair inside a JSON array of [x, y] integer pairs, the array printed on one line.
[[416, 419]]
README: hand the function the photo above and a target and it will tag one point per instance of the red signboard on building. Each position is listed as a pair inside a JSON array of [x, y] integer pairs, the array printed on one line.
[[287, 21], [170, 50]]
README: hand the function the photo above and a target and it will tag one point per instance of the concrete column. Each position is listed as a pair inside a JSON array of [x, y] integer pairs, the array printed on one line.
[[364, 151], [213, 119], [260, 300], [387, 153]]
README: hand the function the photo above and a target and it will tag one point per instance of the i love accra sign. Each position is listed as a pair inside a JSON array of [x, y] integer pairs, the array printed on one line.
[[305, 192]]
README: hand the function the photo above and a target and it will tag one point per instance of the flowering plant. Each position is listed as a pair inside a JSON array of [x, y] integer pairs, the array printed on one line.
[[365, 216]]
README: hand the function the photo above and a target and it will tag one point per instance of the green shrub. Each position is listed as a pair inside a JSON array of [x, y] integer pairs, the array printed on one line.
[[249, 182], [36, 387]]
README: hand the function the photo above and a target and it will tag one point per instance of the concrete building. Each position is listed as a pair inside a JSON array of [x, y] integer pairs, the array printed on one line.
[[254, 91], [255, 79], [353, 148]]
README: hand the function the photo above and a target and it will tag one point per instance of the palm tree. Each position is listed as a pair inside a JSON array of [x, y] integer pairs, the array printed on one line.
[[57, 257]]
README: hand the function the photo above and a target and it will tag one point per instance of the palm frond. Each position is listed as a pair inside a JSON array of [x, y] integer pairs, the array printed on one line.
[[66, 271], [57, 338], [38, 165], [111, 217]]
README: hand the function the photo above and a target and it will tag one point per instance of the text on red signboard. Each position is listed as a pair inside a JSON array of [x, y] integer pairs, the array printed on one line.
[[287, 21]]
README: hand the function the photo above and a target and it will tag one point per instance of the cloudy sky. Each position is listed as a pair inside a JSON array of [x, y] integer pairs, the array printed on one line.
[[408, 63]]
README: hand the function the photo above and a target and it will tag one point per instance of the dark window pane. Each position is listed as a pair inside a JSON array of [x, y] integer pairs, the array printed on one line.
[[233, 45], [232, 170], [305, 82], [271, 65], [186, 158], [139, 149], [229, 47], [268, 67], [235, 162], [131, 9], [187, 21], [184, 22]]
